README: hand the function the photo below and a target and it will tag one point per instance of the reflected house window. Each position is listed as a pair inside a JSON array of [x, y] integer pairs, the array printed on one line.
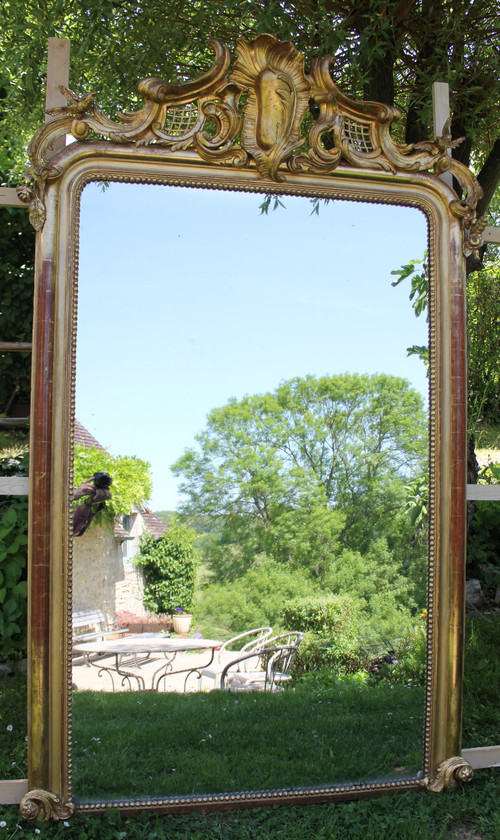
[[124, 534], [129, 530], [124, 538]]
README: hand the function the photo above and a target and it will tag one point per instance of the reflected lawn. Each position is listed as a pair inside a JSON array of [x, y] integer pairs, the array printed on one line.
[[142, 743]]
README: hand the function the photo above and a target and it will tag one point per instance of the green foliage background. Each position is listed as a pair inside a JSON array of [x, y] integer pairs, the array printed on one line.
[[17, 242], [13, 585], [483, 316], [307, 487]]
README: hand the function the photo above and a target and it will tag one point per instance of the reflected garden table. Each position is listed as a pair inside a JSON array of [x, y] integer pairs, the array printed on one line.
[[141, 646]]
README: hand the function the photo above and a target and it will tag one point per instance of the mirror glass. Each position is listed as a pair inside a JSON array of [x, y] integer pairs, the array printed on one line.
[[193, 300]]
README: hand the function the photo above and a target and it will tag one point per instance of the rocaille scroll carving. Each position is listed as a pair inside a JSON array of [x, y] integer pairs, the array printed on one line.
[[254, 115], [449, 774], [43, 805], [272, 73]]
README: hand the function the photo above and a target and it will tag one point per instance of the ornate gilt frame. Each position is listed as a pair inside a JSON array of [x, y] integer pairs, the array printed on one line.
[[240, 128]]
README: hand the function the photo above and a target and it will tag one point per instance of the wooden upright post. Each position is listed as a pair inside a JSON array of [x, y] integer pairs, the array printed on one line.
[[440, 114], [57, 74]]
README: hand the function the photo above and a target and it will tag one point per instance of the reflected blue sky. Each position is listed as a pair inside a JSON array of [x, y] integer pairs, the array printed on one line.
[[189, 297]]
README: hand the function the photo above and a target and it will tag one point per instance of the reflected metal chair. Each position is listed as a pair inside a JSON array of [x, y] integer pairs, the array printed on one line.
[[255, 638], [274, 659]]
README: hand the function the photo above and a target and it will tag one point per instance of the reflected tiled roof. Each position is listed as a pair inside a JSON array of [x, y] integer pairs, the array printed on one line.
[[155, 526], [84, 438]]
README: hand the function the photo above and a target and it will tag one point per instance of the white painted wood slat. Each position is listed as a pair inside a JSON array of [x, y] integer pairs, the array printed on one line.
[[14, 485], [480, 758], [483, 492], [11, 792]]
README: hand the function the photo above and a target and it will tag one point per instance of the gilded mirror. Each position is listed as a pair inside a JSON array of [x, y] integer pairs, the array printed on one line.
[[224, 143]]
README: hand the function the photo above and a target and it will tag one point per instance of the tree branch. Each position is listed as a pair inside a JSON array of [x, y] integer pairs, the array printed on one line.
[[489, 178]]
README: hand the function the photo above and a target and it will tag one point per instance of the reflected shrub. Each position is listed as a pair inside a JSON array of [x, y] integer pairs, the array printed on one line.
[[403, 662], [331, 638], [326, 652]]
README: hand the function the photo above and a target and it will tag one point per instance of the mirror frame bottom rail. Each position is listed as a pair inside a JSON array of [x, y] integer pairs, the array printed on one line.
[[43, 805], [139, 150]]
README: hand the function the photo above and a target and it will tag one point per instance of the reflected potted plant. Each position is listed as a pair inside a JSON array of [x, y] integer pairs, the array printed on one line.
[[181, 621]]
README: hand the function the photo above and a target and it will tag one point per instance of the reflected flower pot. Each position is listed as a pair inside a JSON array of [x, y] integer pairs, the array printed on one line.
[[181, 622]]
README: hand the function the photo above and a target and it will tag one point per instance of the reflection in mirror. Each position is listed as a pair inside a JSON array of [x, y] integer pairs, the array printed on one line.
[[263, 356]]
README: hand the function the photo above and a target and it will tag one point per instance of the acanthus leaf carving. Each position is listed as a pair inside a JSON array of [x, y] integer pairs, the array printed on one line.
[[43, 805], [32, 192], [449, 774]]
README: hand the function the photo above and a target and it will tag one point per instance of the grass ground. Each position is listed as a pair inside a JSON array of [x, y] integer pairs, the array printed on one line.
[[468, 813], [471, 813]]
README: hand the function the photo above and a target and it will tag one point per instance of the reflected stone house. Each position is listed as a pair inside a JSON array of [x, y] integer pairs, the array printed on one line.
[[104, 576]]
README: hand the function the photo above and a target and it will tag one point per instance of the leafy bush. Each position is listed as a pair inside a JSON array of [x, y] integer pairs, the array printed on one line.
[[17, 246], [255, 599], [324, 615], [330, 627], [169, 566], [13, 586], [326, 652], [387, 594]]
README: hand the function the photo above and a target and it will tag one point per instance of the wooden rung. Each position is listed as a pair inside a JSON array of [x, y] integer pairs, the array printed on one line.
[[14, 485], [11, 422], [15, 346], [483, 492], [491, 234], [10, 198], [12, 791], [480, 758]]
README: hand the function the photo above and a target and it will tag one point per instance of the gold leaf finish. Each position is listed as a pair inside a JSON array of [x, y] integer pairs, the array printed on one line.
[[167, 93], [449, 774], [43, 805]]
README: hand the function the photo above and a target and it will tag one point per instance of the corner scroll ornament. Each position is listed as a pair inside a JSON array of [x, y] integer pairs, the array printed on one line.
[[43, 805], [254, 115], [449, 774]]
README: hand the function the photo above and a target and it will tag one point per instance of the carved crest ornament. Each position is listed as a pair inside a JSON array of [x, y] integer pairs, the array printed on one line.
[[254, 114]]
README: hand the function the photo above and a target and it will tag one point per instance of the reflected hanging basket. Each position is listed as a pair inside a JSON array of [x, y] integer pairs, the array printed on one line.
[[181, 622]]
